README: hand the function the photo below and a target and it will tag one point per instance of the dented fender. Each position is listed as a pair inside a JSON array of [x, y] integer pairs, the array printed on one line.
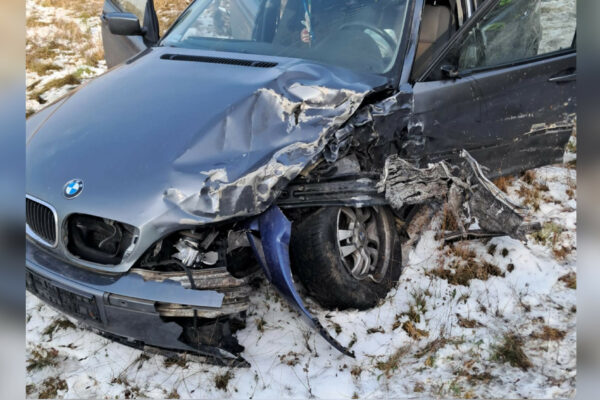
[[272, 251]]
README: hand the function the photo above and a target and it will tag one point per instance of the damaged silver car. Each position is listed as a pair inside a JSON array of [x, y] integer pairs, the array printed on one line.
[[290, 139]]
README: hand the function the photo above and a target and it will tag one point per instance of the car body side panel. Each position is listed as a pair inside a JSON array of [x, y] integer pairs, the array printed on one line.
[[527, 116], [510, 119]]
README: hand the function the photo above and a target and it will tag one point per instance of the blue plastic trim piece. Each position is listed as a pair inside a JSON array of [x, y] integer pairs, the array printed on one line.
[[272, 251]]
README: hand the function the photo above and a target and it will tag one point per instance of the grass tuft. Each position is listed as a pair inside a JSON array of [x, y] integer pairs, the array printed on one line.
[[504, 182], [41, 358], [461, 272], [391, 363], [413, 332], [549, 333], [222, 380], [570, 280], [51, 386], [511, 351], [57, 325]]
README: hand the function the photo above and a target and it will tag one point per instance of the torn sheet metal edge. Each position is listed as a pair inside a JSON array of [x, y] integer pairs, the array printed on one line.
[[486, 183], [273, 255], [461, 183]]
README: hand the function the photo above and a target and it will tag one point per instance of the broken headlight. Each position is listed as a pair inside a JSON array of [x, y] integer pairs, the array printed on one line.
[[99, 240]]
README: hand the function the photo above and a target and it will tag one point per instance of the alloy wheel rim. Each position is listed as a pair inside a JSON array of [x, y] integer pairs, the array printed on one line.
[[358, 241]]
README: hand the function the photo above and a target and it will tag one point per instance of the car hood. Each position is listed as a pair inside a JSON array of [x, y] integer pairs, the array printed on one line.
[[162, 141]]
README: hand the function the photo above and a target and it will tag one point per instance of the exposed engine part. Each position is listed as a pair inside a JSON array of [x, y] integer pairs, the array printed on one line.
[[188, 254]]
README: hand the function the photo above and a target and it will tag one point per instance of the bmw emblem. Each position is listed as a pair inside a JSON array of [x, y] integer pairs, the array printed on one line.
[[73, 188]]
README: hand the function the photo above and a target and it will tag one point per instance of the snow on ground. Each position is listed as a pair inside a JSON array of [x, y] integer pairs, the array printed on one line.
[[476, 319]]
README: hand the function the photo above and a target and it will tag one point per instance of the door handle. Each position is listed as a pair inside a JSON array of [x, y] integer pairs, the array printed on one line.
[[571, 76]]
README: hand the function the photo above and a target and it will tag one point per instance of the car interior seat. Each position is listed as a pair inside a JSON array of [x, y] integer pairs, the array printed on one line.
[[436, 29]]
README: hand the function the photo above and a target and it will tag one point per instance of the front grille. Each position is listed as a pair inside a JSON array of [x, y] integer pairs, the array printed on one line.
[[41, 221]]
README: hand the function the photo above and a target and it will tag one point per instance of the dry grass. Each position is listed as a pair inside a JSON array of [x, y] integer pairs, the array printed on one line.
[[531, 196], [36, 53], [465, 266], [511, 351], [33, 21], [70, 79], [549, 236], [391, 364], [167, 11], [463, 251], [413, 332], [449, 222], [432, 347], [528, 177], [570, 280], [531, 190], [292, 358], [41, 358], [467, 323], [42, 68], [50, 387], [222, 380], [93, 56], [549, 333], [462, 272], [83, 9], [504, 182], [561, 252], [57, 325]]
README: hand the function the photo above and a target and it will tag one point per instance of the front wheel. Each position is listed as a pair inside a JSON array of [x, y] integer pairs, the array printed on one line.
[[347, 257]]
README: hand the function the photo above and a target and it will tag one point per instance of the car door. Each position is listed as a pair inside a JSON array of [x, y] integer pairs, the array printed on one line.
[[118, 48], [503, 87]]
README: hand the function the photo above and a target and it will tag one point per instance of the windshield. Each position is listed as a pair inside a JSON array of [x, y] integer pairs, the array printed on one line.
[[363, 35]]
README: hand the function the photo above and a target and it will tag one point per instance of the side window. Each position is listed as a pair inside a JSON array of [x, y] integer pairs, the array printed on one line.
[[137, 7], [515, 30]]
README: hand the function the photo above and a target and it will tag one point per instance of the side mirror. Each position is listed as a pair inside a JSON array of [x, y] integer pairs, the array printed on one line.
[[125, 24], [450, 71]]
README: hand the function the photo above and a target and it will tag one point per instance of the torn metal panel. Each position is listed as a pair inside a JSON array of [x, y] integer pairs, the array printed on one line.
[[236, 291], [303, 124], [464, 187], [273, 254]]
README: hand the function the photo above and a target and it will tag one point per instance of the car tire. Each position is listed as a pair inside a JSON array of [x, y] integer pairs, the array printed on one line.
[[317, 246]]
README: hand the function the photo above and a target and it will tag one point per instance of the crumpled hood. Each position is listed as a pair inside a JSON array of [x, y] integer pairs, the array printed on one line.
[[161, 141]]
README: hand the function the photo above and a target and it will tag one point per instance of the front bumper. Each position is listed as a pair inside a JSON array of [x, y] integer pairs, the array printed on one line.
[[123, 306]]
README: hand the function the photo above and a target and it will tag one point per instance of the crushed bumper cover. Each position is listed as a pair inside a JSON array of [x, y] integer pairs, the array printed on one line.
[[121, 307], [272, 251]]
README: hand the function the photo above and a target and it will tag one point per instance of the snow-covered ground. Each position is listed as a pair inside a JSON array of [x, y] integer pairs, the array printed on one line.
[[503, 327]]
